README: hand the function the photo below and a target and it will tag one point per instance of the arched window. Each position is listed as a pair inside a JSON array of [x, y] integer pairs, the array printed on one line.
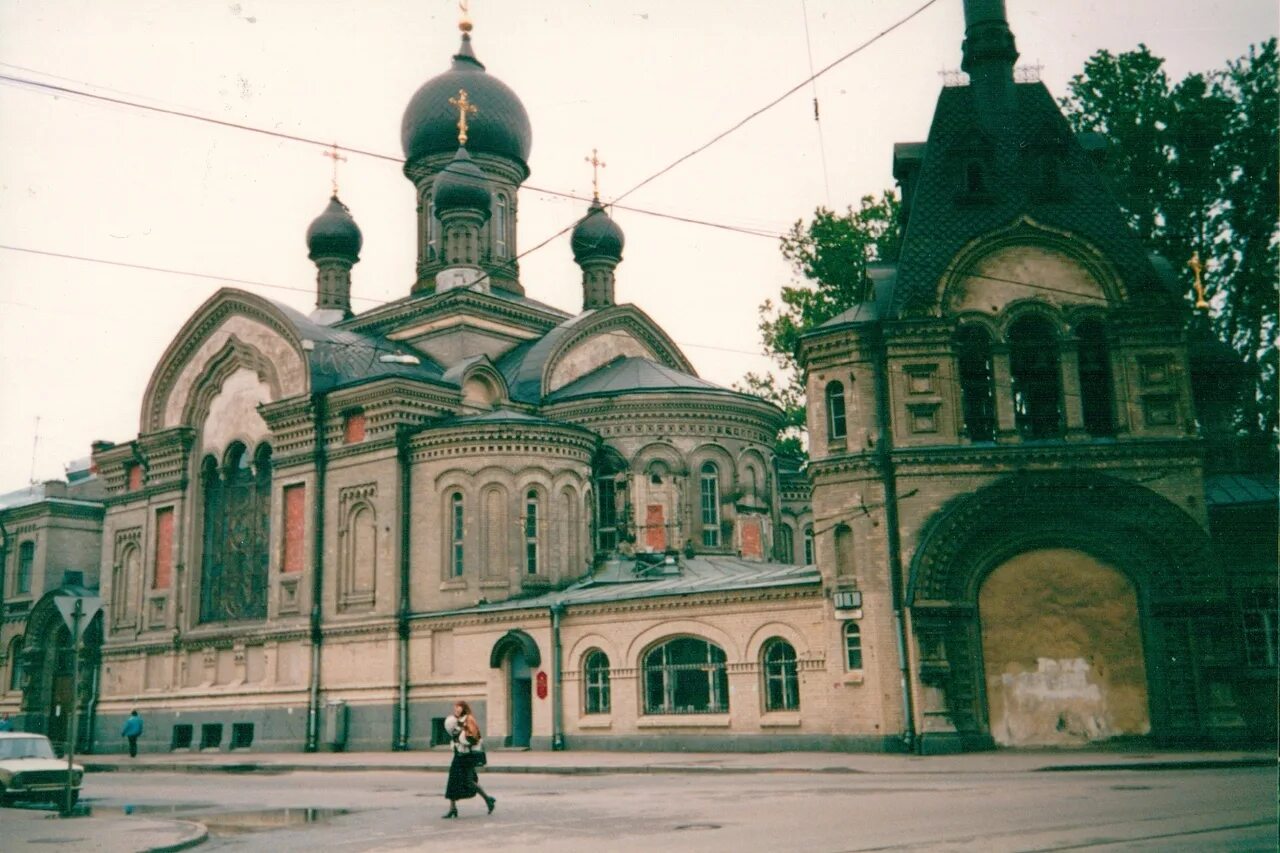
[[808, 545], [786, 544], [359, 556], [457, 527], [237, 501], [1095, 379], [569, 531], [26, 563], [123, 585], [595, 671], [836, 424], [781, 680], [852, 646], [973, 352], [686, 675], [531, 562], [15, 664], [709, 480], [500, 226], [433, 230], [610, 516], [1037, 378]]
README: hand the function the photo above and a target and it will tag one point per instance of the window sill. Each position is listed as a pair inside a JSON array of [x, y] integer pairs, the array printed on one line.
[[780, 719], [453, 583], [854, 677], [596, 721], [493, 583], [687, 721]]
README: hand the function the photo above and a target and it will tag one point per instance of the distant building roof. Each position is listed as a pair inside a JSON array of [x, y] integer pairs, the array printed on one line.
[[1237, 489]]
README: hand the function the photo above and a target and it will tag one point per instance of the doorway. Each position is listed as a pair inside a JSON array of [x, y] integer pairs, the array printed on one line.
[[521, 699]]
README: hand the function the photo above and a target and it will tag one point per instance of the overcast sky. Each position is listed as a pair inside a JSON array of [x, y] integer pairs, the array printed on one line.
[[644, 81]]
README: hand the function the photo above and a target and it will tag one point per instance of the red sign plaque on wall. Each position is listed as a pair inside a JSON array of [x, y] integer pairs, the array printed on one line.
[[542, 685]]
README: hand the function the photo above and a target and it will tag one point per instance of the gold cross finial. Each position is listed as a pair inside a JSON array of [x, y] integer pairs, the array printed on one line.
[[464, 22], [332, 152], [464, 107], [596, 165], [1196, 269]]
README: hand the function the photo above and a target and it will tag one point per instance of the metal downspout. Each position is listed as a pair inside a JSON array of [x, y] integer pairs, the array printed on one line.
[[400, 725], [557, 711], [91, 707], [321, 408], [889, 476]]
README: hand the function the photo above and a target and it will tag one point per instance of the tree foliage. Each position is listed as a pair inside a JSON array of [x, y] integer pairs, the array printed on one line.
[[828, 257], [1194, 165]]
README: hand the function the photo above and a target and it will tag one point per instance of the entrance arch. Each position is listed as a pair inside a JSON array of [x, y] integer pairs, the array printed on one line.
[[517, 653], [1062, 651], [47, 688]]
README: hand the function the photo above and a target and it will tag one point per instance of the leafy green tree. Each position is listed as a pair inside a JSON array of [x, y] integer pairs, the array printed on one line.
[[828, 257], [1194, 165]]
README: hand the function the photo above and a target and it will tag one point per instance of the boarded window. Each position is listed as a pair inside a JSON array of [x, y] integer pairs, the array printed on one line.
[[844, 549], [134, 474], [361, 555], [295, 499], [353, 427], [163, 575]]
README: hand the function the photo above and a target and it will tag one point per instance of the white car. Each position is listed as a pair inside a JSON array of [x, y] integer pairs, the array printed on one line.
[[29, 770]]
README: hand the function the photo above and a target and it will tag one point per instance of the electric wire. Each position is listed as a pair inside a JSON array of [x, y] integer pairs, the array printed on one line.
[[817, 120]]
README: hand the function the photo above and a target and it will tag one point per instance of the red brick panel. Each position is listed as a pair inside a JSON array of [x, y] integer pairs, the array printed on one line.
[[655, 528], [353, 428], [752, 544], [295, 526], [135, 477], [164, 549]]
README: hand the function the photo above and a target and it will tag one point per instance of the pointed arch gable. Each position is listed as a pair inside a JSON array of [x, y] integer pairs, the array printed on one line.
[[230, 331], [621, 330]]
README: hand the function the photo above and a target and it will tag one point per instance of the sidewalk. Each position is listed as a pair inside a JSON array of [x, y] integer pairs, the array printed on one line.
[[24, 828]]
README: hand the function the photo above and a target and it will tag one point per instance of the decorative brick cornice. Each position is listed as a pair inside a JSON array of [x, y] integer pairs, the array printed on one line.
[[519, 437], [388, 319], [712, 416]]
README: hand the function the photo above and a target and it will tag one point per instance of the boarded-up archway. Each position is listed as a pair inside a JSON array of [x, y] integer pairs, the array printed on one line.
[[1062, 651]]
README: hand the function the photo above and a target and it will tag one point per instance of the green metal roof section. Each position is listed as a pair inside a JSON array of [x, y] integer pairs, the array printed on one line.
[[1238, 489], [652, 576], [634, 375]]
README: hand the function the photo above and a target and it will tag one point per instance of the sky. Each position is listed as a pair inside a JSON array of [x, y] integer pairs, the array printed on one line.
[[642, 81]]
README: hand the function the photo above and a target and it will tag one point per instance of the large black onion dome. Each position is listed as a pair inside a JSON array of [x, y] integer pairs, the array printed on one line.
[[597, 236], [461, 186], [334, 233], [499, 126]]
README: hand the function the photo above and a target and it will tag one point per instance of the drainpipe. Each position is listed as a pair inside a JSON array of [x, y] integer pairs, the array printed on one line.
[[889, 477], [321, 408], [91, 707], [400, 725], [557, 722]]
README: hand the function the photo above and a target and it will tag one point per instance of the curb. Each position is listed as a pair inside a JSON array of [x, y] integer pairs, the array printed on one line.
[[199, 835], [1207, 764]]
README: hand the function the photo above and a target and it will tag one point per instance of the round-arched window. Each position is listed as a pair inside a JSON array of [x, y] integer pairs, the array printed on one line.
[[687, 675], [595, 677], [781, 677]]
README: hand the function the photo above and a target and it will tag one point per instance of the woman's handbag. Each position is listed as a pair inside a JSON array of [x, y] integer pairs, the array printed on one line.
[[478, 757]]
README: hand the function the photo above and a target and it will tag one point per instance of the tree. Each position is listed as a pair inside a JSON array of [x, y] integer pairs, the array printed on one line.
[[1195, 168], [828, 256]]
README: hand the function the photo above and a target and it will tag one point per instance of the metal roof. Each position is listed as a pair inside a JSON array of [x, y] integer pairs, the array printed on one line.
[[1235, 489], [630, 375]]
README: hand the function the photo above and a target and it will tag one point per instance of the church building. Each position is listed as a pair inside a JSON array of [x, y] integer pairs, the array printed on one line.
[[330, 527]]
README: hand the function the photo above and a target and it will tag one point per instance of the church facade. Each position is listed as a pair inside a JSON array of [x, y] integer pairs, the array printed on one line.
[[332, 526]]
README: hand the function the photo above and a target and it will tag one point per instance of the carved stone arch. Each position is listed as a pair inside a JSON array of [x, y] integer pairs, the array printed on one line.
[[1027, 232], [203, 325], [46, 670], [1033, 307], [672, 461], [483, 386], [752, 459], [769, 630], [625, 319], [583, 645], [710, 452], [986, 322], [235, 355]]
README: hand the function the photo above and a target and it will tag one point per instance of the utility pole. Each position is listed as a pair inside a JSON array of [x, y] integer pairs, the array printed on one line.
[[77, 614]]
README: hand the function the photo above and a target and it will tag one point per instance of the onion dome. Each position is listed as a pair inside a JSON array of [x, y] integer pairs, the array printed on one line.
[[500, 126], [334, 233], [597, 236], [461, 186]]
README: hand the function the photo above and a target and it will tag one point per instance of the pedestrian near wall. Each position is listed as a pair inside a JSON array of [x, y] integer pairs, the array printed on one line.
[[6, 724], [132, 729], [468, 753]]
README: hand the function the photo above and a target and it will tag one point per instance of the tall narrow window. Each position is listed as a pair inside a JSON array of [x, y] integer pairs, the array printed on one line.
[[500, 226], [1037, 379], [686, 676], [457, 525], [1095, 379], [973, 352], [353, 426], [433, 230], [710, 503], [15, 664], [808, 545], [596, 678], [124, 578], [163, 574], [26, 562], [836, 425], [786, 544], [844, 549], [295, 525], [606, 514], [531, 564], [781, 678], [852, 646], [237, 499]]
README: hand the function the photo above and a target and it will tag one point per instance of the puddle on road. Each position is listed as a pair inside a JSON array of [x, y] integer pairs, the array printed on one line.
[[231, 822]]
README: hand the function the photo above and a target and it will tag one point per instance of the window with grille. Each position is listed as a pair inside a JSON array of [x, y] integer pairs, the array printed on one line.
[[710, 502], [686, 675], [596, 680], [781, 678], [852, 646]]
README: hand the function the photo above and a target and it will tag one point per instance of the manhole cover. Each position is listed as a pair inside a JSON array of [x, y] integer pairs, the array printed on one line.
[[698, 826]]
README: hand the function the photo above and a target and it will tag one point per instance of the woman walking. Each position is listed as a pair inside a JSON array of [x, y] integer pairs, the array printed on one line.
[[464, 782]]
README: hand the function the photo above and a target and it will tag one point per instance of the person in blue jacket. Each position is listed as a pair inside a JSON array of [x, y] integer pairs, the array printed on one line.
[[132, 728]]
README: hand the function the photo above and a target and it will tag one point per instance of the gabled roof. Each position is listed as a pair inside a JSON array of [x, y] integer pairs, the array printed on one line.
[[633, 375], [941, 223]]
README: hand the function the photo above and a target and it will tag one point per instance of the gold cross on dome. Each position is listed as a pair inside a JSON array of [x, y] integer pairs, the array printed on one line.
[[596, 165], [332, 152], [463, 106], [1196, 269]]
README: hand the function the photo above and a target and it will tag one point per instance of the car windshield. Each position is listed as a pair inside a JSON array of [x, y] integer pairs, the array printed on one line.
[[26, 747]]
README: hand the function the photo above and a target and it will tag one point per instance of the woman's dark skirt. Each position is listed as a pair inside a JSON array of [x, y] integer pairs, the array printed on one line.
[[463, 779]]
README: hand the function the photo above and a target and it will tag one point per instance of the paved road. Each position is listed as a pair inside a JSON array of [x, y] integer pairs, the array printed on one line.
[[1174, 810]]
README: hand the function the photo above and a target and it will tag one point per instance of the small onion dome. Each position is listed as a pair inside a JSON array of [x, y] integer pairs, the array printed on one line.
[[334, 233], [461, 186], [597, 236], [500, 125]]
